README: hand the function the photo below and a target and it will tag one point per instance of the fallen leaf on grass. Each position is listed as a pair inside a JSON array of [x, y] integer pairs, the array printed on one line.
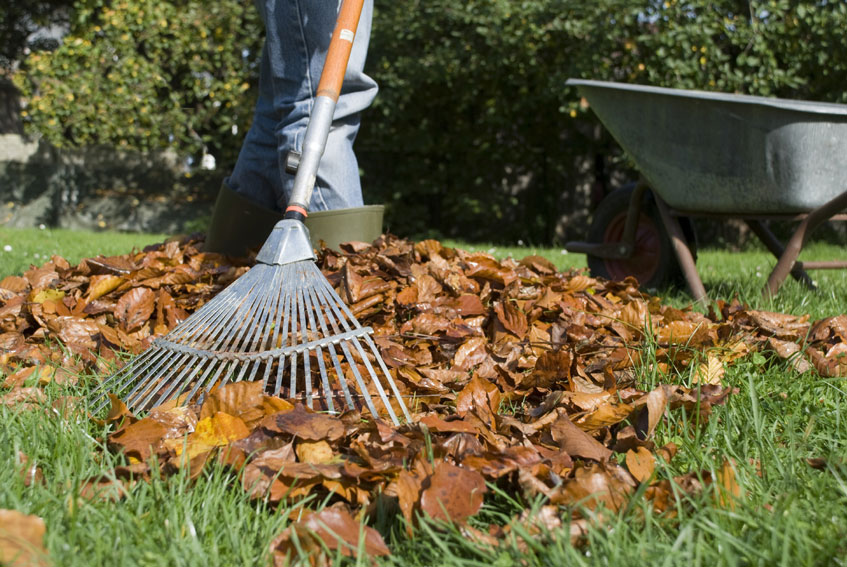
[[305, 424], [22, 540], [452, 493], [576, 442], [29, 470], [640, 463], [333, 530], [727, 486]]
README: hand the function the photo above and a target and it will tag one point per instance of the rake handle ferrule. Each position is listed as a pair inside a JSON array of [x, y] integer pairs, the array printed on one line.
[[296, 212]]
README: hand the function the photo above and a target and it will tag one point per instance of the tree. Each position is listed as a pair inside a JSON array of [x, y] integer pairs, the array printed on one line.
[[147, 74]]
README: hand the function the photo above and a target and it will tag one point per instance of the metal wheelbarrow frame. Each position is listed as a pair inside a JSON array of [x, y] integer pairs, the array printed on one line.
[[724, 156]]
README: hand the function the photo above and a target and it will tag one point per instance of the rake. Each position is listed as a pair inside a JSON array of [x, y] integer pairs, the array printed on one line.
[[281, 322]]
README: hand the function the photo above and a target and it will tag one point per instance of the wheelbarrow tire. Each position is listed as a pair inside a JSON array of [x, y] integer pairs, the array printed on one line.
[[653, 263]]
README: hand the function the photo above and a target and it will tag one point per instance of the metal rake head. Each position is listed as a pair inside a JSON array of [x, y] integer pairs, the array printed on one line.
[[281, 323]]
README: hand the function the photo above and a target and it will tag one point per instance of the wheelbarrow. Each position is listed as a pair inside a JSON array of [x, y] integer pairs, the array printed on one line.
[[703, 154]]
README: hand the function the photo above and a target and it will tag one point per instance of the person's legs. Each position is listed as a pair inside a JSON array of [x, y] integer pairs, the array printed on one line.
[[298, 35]]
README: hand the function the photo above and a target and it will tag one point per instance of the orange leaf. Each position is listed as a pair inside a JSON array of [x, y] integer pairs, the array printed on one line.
[[481, 397], [728, 489], [21, 540], [99, 286], [576, 442], [454, 493], [134, 308], [640, 463], [315, 452], [334, 528]]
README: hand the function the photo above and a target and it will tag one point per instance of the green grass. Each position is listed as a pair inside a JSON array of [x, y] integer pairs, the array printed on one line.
[[788, 514], [22, 247]]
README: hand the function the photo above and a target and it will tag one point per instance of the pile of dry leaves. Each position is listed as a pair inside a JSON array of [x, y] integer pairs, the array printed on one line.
[[525, 377]]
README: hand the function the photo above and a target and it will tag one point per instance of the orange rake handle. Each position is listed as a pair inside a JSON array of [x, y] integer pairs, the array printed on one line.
[[320, 120], [340, 47]]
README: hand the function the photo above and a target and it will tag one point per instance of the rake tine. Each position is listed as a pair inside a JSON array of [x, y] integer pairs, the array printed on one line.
[[262, 338], [342, 380], [138, 391], [285, 333], [210, 381], [101, 398], [270, 340], [186, 362], [357, 375], [339, 307], [379, 389], [211, 315], [389, 379], [254, 334], [311, 306], [307, 371]]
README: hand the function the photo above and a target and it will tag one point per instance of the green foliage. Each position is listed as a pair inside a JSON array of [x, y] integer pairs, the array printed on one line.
[[473, 92], [147, 74], [474, 133]]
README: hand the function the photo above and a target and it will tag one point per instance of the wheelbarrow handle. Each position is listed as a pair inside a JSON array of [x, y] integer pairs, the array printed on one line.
[[320, 120]]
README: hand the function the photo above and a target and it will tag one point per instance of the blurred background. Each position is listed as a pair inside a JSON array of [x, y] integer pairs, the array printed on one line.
[[126, 115]]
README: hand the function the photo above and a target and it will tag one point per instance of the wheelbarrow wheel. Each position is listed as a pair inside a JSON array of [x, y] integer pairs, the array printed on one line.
[[653, 262]]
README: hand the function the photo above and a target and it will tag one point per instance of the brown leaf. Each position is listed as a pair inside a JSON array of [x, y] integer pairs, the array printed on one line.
[[315, 452], [29, 470], [483, 266], [453, 493], [140, 439], [305, 424], [552, 368], [134, 308], [245, 400], [43, 277], [711, 371], [640, 463], [99, 286], [471, 353], [539, 265], [22, 540], [728, 489], [512, 318], [653, 405], [408, 490], [215, 431], [118, 410], [576, 442], [595, 485], [481, 397], [607, 413], [15, 284], [333, 528], [25, 398]]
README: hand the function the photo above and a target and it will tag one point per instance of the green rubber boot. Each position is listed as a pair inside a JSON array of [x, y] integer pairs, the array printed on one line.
[[239, 225]]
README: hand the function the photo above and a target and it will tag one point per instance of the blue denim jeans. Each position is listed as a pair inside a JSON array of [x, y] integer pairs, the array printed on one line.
[[297, 39]]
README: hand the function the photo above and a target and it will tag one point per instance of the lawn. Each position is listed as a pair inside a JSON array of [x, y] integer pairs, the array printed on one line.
[[786, 434]]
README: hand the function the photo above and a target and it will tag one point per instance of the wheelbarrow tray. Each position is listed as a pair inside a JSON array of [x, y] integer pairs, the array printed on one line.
[[727, 154]]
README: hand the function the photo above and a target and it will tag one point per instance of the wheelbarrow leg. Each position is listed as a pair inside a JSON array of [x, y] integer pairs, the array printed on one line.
[[683, 253], [775, 247], [798, 240]]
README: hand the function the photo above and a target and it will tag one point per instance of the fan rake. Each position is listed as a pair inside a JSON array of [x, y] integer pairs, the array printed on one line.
[[281, 322]]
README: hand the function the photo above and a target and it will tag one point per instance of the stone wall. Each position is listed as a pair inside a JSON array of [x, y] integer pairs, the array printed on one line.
[[100, 188]]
